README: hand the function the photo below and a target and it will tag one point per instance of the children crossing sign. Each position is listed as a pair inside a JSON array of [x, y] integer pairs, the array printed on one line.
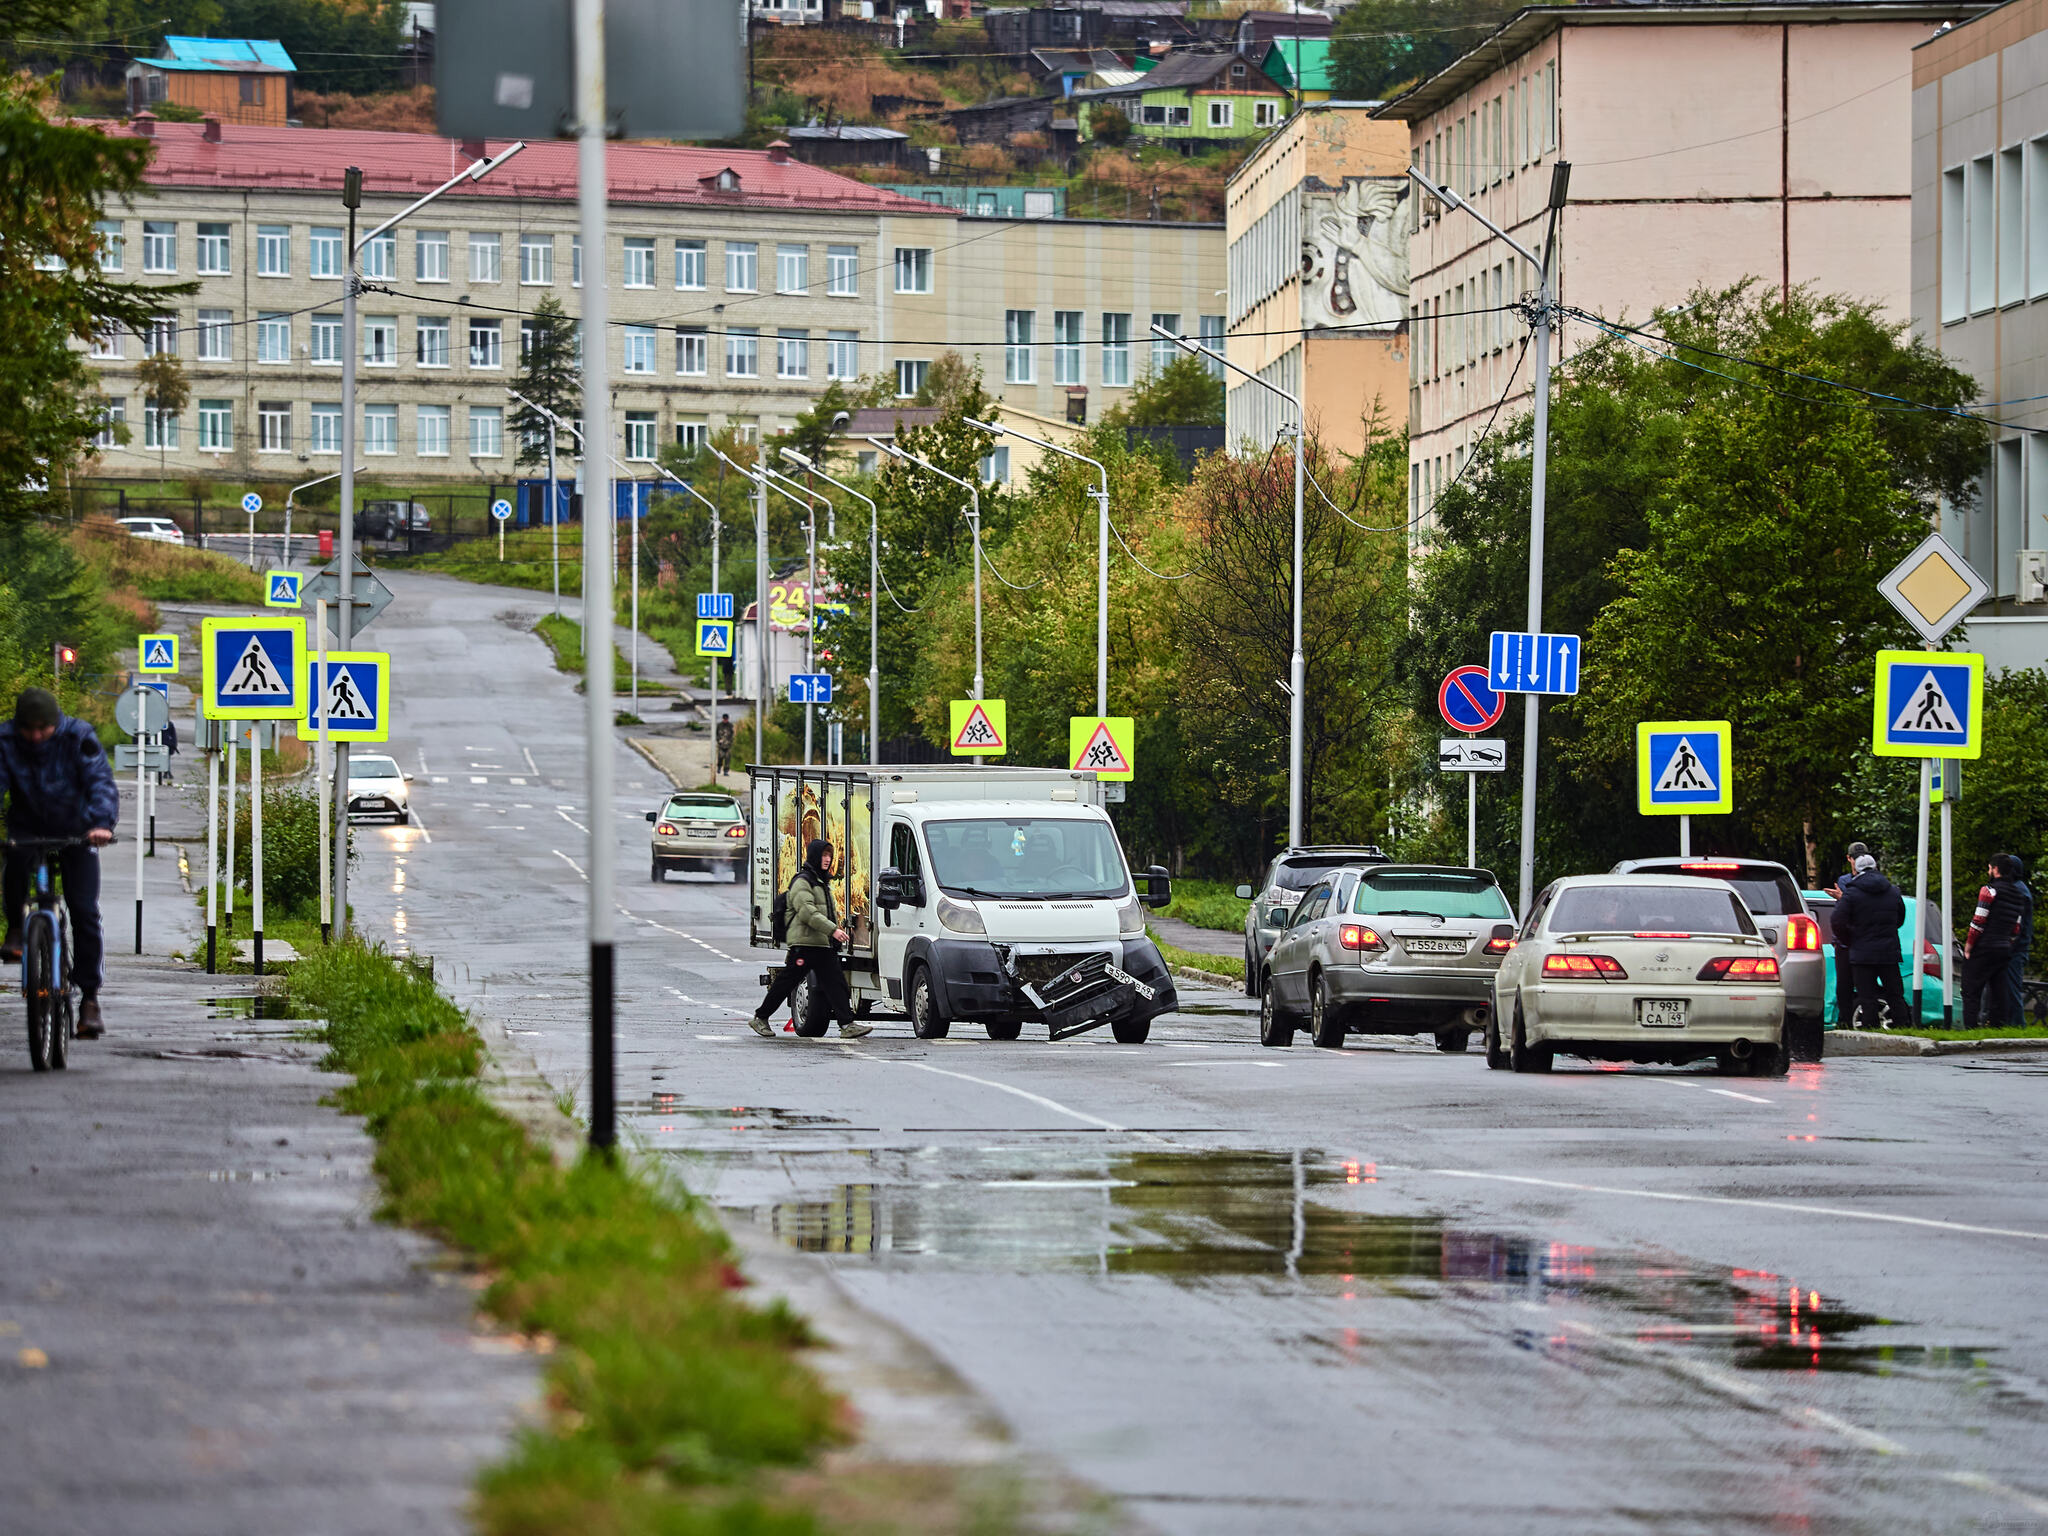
[[1103, 743], [1928, 704], [1685, 768], [281, 589], [156, 653], [714, 637], [250, 669], [980, 727], [358, 697]]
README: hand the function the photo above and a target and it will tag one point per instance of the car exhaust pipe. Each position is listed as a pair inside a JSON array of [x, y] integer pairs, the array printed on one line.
[[1741, 1050], [1475, 1018]]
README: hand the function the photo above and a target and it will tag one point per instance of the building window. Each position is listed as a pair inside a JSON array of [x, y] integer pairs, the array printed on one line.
[[273, 250], [273, 338], [742, 354], [1955, 247], [2012, 227], [693, 351], [741, 266], [159, 427], [216, 426], [323, 433], [910, 376], [639, 263], [113, 417], [1066, 346], [1163, 351], [430, 429], [274, 427], [380, 429], [690, 264], [159, 246], [486, 432], [792, 268], [430, 341], [995, 467], [112, 243], [640, 435], [213, 250], [486, 344], [842, 354], [536, 260], [380, 341], [842, 271], [1116, 349], [430, 255], [749, 431], [913, 269], [326, 340], [575, 261], [216, 335], [1210, 335], [251, 92], [323, 252], [106, 345], [1265, 114], [160, 337], [483, 258], [692, 435], [380, 257], [792, 354], [639, 349], [1017, 353], [1220, 113], [1981, 220], [2037, 218]]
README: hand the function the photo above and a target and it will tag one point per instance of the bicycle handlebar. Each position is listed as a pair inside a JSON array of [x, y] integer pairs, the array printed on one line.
[[23, 844]]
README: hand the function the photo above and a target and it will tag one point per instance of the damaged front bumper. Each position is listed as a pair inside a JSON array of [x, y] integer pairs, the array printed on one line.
[[1070, 988]]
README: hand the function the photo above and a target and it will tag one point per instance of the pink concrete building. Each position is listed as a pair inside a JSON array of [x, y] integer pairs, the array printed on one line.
[[1708, 142]]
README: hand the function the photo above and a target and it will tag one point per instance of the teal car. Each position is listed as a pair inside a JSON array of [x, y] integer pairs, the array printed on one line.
[[1822, 905]]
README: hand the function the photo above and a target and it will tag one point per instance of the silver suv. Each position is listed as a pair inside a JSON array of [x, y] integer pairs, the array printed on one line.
[[1286, 882]]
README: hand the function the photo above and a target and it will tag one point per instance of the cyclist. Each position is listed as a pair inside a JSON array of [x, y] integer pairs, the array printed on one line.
[[56, 782]]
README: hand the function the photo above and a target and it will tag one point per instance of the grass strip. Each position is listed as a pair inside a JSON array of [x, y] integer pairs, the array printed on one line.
[[1221, 965], [672, 1403], [1208, 904]]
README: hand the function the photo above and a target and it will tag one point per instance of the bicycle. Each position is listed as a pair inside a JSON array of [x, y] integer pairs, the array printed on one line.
[[46, 955]]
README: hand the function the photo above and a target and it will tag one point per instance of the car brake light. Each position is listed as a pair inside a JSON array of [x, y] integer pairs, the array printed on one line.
[[1499, 946], [1663, 935], [1930, 959], [1740, 968], [1717, 867], [1358, 936], [1584, 966], [735, 831], [1802, 934], [665, 828]]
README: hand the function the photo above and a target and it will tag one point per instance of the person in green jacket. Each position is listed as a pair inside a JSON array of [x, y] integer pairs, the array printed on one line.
[[814, 933]]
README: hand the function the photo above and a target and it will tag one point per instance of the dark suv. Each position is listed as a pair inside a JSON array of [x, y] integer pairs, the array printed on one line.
[[391, 519], [1287, 881]]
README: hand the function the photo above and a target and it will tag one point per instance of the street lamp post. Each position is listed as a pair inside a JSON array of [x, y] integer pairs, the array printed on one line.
[[681, 484], [556, 425], [762, 681], [874, 597], [306, 485], [974, 523], [1297, 684], [345, 606], [808, 500]]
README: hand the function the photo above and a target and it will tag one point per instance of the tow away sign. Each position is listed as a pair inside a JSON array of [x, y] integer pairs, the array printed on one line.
[[1467, 756]]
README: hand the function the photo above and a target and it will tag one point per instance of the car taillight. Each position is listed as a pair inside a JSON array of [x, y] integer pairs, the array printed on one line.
[[1658, 935], [1802, 934], [1718, 867], [665, 828], [1498, 946], [735, 831], [1930, 960], [1358, 936], [1583, 967], [1740, 968]]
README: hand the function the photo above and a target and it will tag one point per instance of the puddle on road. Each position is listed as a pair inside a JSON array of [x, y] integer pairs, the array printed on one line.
[[259, 1007], [739, 1117]]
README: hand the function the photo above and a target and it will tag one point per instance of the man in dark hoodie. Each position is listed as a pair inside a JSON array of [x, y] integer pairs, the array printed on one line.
[[1870, 913], [2016, 969], [56, 783], [814, 933], [2002, 912]]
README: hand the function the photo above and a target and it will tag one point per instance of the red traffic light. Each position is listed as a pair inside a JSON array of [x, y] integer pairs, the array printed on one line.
[[66, 655]]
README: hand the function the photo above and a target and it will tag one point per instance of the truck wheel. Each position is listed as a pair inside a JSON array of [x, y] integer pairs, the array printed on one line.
[[926, 1022], [1131, 1031], [1275, 1028], [1452, 1041], [1004, 1029], [1251, 972], [1496, 1056], [1325, 1022], [655, 875], [1523, 1056], [811, 1021]]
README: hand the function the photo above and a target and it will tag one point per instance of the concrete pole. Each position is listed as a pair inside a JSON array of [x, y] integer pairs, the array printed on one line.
[[141, 803], [765, 673], [345, 609], [320, 766], [1951, 781], [229, 727], [1539, 467], [256, 843], [212, 848], [1297, 668], [554, 520], [1920, 888]]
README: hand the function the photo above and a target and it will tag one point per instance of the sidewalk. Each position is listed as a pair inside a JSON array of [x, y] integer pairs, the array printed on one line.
[[202, 1327]]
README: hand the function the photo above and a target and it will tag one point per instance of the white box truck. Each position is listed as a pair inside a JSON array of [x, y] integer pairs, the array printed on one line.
[[994, 896]]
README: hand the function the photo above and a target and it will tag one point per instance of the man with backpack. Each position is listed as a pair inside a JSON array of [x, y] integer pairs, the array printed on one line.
[[1868, 919], [807, 921], [2003, 909]]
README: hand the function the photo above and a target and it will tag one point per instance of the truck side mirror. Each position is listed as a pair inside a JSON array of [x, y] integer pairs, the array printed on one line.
[[650, 818], [893, 888], [1158, 889], [1244, 893]]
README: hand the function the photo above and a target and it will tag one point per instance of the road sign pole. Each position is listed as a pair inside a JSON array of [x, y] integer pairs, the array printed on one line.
[[345, 613], [228, 727], [1471, 821], [141, 804], [256, 844], [320, 760], [501, 540], [212, 845], [714, 660], [1920, 885], [1685, 837], [554, 521], [1951, 780], [810, 618]]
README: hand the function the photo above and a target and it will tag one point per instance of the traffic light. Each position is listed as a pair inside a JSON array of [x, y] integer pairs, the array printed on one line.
[[66, 655]]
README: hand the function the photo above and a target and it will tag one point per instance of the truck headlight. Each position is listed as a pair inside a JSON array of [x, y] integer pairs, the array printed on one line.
[[1130, 917], [959, 918]]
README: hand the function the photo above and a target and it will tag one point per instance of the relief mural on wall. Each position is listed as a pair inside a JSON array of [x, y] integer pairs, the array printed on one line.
[[1354, 252]]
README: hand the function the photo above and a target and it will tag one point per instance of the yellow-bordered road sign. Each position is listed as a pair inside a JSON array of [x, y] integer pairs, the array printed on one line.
[[1685, 768], [156, 653], [1928, 704], [980, 727], [358, 697], [1106, 743], [251, 669]]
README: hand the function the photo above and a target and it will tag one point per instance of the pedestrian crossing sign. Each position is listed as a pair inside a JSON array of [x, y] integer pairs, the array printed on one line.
[[1928, 704], [156, 653], [250, 669], [1685, 768], [358, 690], [714, 637], [980, 727], [281, 589], [1103, 743]]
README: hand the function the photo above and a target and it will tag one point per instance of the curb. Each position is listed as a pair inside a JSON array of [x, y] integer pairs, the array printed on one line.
[[1863, 1042], [634, 743], [1232, 983]]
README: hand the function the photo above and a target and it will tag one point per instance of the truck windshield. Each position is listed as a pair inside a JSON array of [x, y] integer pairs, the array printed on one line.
[[1437, 893], [1027, 856]]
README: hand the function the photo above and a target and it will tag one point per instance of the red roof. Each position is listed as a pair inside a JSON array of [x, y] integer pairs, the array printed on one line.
[[409, 164]]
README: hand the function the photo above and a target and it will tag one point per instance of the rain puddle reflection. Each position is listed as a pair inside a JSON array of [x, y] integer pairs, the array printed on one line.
[[258, 1007]]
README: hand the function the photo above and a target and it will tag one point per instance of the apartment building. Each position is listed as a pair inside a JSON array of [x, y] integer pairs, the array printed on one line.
[[742, 282], [1708, 143]]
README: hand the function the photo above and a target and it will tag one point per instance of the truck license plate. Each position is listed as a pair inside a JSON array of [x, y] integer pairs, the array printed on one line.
[[1131, 981], [1660, 1012], [1434, 946]]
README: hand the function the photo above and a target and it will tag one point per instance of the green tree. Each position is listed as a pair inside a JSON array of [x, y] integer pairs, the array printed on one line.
[[166, 390], [1379, 47], [1182, 394], [550, 375]]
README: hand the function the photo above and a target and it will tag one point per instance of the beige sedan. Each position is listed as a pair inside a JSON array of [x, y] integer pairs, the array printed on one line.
[[698, 831], [1638, 968]]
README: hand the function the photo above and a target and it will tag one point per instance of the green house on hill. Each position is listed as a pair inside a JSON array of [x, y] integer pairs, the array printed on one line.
[[1300, 66], [1193, 98]]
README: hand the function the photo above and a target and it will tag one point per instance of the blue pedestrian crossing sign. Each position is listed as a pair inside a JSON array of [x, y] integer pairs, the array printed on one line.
[[810, 687], [714, 637], [1928, 704], [1525, 663], [156, 653], [714, 605], [281, 589], [1685, 768], [358, 697], [250, 669]]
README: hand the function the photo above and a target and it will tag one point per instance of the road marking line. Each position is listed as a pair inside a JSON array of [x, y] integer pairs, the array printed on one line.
[[515, 781], [478, 779], [530, 763], [571, 863], [721, 1007], [1747, 1098], [1023, 1093], [425, 835], [664, 927], [1232, 1061], [572, 821]]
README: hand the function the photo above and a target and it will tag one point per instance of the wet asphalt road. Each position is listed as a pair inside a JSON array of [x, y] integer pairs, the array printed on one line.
[[1248, 1290]]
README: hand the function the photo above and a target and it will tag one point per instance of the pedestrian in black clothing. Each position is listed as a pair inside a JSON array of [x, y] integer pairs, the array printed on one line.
[[2002, 912], [814, 934], [1845, 977], [2016, 971], [1871, 911]]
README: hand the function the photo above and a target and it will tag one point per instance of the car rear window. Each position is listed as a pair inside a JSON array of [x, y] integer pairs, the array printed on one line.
[[1765, 891], [1436, 893], [1644, 908], [1300, 874], [704, 810]]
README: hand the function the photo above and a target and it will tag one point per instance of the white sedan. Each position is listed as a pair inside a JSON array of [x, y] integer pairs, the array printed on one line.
[[376, 787], [160, 530], [1636, 968]]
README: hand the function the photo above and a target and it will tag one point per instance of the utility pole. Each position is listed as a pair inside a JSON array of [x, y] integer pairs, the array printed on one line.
[[874, 597]]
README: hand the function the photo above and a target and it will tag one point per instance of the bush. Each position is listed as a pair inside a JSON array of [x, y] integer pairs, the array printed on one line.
[[1109, 125], [291, 851]]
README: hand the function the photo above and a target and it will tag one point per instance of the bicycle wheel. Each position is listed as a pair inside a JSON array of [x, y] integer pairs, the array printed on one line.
[[65, 1024], [39, 988]]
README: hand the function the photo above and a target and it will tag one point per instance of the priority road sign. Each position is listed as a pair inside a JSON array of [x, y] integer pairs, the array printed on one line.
[[156, 653], [250, 668], [1685, 768], [501, 509], [281, 589], [714, 637], [714, 605], [252, 502], [1105, 743], [1928, 704], [1525, 663], [810, 687], [979, 727], [370, 596], [1462, 755], [358, 692], [1934, 588], [1469, 702]]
